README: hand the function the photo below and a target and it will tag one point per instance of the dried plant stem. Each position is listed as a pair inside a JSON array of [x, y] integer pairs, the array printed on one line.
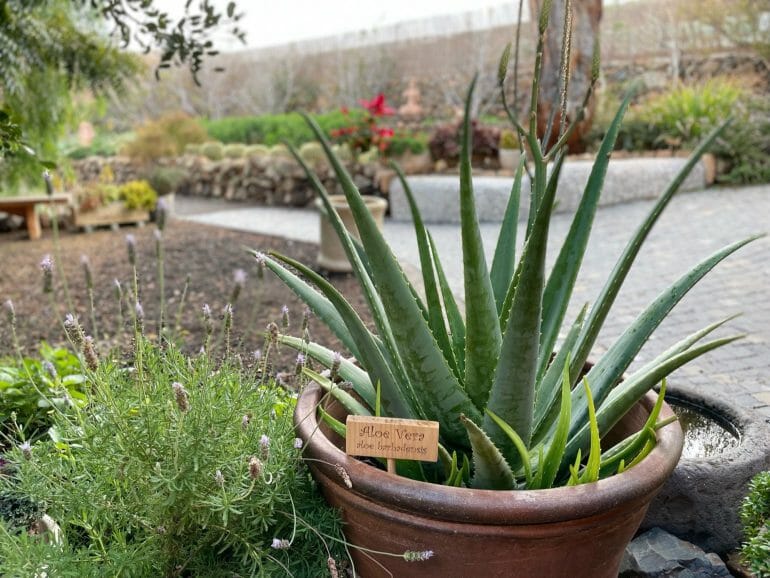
[[180, 308], [160, 254]]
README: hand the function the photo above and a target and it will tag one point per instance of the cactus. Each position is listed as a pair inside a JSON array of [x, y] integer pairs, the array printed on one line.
[[193, 149], [256, 150], [312, 153]]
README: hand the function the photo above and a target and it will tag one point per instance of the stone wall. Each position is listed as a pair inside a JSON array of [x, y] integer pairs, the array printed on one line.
[[265, 180]]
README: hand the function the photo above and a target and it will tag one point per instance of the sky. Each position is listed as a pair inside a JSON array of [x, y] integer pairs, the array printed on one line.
[[272, 22]]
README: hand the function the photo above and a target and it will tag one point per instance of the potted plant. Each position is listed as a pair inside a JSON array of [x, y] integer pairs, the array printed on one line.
[[546, 464], [106, 203], [509, 152]]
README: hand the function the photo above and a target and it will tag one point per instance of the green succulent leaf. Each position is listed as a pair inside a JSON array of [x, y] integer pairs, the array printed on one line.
[[609, 292], [504, 261], [618, 357], [517, 442], [591, 470], [491, 471], [397, 401], [337, 426], [348, 371], [348, 401], [561, 281], [549, 466], [441, 396], [430, 282], [482, 337]]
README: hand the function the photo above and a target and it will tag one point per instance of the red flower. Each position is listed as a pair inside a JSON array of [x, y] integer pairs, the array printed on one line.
[[344, 110], [377, 106]]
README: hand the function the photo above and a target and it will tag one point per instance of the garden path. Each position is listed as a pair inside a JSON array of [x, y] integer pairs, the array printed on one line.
[[692, 227]]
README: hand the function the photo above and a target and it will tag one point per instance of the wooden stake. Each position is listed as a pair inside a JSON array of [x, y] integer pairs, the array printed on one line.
[[391, 466]]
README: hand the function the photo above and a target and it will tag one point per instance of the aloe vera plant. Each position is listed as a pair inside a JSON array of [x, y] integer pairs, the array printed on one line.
[[514, 408]]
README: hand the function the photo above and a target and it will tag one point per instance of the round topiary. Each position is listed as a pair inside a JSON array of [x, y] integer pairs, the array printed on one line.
[[312, 153], [256, 150], [280, 150], [212, 150], [234, 151], [192, 149]]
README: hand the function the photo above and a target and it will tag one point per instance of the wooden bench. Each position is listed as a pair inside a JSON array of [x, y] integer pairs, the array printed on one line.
[[25, 207]]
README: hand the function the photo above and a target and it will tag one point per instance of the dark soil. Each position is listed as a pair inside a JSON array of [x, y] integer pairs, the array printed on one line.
[[209, 255]]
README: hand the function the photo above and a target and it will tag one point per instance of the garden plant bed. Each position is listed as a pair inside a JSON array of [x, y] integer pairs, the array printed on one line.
[[210, 255]]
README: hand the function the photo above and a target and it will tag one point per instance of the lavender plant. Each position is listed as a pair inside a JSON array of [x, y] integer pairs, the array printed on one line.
[[169, 479], [514, 408]]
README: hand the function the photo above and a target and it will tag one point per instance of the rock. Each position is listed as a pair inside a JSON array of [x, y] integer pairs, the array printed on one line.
[[658, 554]]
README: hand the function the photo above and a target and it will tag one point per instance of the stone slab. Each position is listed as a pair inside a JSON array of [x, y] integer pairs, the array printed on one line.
[[438, 197]]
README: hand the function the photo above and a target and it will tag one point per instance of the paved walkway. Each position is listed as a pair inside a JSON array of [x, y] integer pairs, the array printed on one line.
[[693, 226]]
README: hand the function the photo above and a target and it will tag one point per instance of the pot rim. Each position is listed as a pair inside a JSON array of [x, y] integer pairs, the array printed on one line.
[[341, 202], [489, 506]]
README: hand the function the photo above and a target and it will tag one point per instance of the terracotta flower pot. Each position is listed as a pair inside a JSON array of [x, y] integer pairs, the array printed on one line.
[[573, 531], [331, 255], [509, 159]]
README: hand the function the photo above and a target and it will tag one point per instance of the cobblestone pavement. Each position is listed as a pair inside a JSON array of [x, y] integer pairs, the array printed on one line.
[[692, 227]]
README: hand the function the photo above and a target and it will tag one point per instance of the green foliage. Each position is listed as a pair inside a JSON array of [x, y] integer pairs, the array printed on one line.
[[234, 151], [273, 129], [32, 390], [165, 180], [745, 145], [755, 516], [213, 151], [166, 137], [497, 379], [508, 139], [103, 145], [138, 195], [684, 114], [402, 143], [188, 465]]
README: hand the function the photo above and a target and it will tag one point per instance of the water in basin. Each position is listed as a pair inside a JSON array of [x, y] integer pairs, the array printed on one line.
[[706, 434]]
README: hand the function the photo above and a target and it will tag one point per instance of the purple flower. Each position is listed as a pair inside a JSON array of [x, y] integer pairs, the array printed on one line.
[[300, 364], [206, 311], [255, 467], [280, 544], [161, 212], [26, 450], [297, 443], [181, 396], [219, 478], [46, 265], [239, 277], [8, 305], [131, 246], [285, 316]]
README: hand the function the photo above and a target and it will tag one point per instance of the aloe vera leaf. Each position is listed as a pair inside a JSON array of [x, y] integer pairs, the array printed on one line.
[[561, 281], [591, 470], [491, 471], [504, 261], [482, 331], [517, 442], [466, 470], [319, 305], [631, 390], [549, 467], [611, 288], [398, 398], [618, 357], [430, 283], [337, 426], [513, 391], [378, 399], [548, 387], [453, 315], [574, 471], [440, 394], [347, 371], [361, 271], [445, 460], [348, 401]]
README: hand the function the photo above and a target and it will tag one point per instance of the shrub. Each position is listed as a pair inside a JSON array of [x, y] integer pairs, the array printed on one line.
[[444, 143], [103, 145], [312, 153], [508, 140], [190, 469], [402, 143], [256, 150], [234, 151], [165, 137], [166, 180], [33, 389], [192, 149], [745, 146], [279, 150], [755, 515], [213, 151], [686, 113], [138, 195], [274, 128]]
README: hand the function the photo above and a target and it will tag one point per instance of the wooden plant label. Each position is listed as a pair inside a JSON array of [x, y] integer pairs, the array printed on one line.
[[395, 439]]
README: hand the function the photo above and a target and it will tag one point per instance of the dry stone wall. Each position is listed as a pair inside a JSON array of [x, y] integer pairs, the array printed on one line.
[[265, 180]]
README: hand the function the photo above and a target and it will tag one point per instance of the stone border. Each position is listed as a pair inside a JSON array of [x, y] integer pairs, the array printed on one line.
[[701, 500], [438, 198]]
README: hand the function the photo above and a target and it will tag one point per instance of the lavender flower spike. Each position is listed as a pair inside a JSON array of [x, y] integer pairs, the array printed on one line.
[[280, 544], [46, 265], [131, 247], [8, 305], [418, 556]]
